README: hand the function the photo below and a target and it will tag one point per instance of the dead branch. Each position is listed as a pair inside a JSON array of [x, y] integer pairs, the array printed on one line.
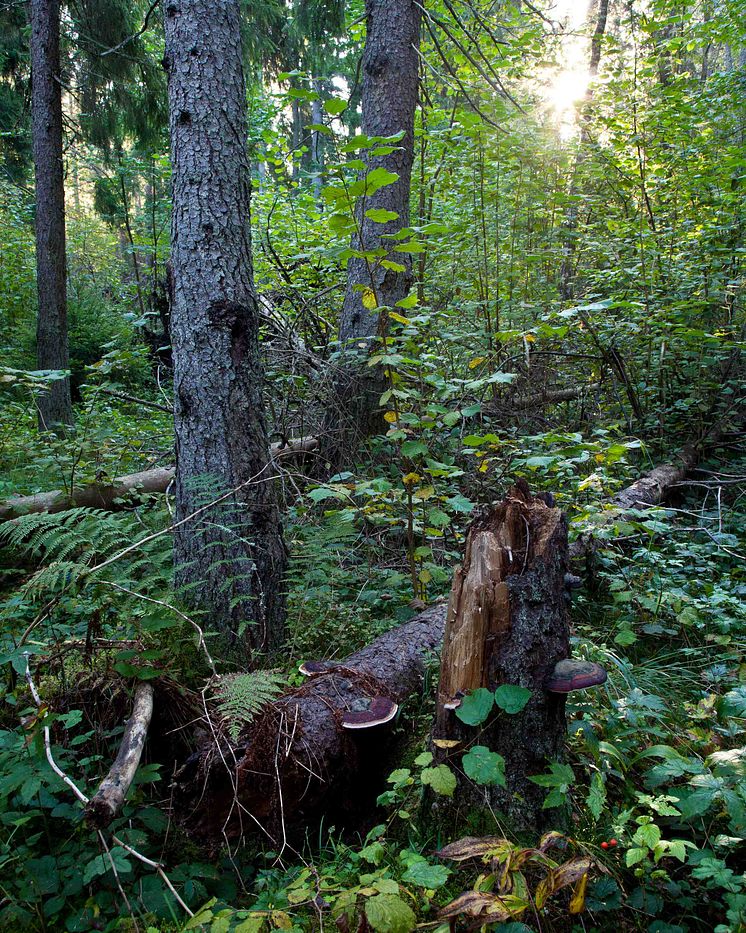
[[120, 491], [108, 799]]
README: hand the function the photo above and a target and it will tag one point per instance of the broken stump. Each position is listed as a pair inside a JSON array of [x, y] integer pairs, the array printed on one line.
[[507, 623]]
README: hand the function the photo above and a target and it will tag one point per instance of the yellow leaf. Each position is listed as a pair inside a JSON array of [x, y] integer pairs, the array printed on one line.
[[425, 493], [476, 361], [530, 338], [399, 317], [390, 416], [578, 896], [424, 575], [369, 299], [484, 466]]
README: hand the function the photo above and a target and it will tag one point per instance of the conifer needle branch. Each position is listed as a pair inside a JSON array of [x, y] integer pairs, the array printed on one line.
[[135, 35]]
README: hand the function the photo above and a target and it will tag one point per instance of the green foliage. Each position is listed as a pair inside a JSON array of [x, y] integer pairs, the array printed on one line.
[[239, 697]]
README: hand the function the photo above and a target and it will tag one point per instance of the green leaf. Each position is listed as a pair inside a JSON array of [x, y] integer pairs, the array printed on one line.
[[379, 178], [422, 873], [484, 766], [380, 215], [335, 106], [597, 795], [647, 835], [413, 448], [476, 706], [512, 699], [634, 856], [388, 913], [424, 759], [441, 779]]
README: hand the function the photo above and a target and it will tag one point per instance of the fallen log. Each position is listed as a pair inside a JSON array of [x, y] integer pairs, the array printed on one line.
[[307, 753], [507, 625], [108, 799], [120, 491]]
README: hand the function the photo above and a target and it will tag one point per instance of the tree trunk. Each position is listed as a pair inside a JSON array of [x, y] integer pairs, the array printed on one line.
[[507, 623], [234, 558], [295, 762], [570, 224], [389, 98], [55, 406]]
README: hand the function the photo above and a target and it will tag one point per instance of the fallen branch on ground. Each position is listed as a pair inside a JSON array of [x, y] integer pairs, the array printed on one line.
[[109, 496], [108, 799]]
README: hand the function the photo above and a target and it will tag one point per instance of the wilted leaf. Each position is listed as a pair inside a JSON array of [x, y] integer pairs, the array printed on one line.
[[558, 878], [472, 847]]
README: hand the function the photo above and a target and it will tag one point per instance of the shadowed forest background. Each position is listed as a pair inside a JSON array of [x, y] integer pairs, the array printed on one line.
[[372, 465]]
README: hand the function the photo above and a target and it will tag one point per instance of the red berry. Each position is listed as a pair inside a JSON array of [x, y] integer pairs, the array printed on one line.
[[604, 845], [613, 842]]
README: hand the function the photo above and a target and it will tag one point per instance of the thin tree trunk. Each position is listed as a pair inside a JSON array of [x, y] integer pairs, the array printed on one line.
[[234, 560], [55, 407], [569, 227], [389, 98]]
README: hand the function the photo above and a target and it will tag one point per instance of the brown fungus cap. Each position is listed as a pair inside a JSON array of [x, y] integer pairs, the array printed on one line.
[[378, 711], [314, 668], [571, 675]]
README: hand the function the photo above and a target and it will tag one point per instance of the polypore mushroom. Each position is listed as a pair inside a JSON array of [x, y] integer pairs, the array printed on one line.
[[314, 668], [376, 712], [571, 675]]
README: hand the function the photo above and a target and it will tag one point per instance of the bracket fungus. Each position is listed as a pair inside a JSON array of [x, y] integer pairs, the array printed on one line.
[[569, 675], [375, 713], [315, 668]]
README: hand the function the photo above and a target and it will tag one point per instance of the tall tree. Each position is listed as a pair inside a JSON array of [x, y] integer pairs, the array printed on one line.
[[389, 99], [55, 406], [232, 553]]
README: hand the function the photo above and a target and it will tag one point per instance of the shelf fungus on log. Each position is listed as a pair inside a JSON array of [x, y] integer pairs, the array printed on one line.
[[507, 623], [568, 676], [370, 713], [305, 754]]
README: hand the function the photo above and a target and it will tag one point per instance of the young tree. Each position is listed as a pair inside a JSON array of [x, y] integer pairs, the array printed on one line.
[[389, 99], [55, 406], [233, 554]]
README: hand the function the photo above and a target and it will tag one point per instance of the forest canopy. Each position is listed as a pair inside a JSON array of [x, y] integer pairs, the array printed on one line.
[[372, 465]]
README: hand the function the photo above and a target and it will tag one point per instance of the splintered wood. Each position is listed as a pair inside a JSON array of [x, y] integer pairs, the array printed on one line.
[[507, 624]]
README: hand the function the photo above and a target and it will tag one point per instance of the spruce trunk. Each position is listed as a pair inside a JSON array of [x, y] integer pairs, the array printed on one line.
[[231, 556], [54, 406]]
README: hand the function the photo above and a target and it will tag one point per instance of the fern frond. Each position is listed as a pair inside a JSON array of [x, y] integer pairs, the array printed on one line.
[[239, 697]]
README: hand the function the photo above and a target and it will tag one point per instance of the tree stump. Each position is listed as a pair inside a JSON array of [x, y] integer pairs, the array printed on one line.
[[507, 623]]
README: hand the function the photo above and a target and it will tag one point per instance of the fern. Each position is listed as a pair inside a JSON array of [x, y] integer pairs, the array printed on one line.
[[239, 697], [68, 545]]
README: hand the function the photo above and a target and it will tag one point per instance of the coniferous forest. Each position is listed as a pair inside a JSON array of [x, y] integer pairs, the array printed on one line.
[[372, 466]]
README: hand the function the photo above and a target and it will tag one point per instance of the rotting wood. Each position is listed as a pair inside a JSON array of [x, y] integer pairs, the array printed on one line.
[[120, 491], [108, 799], [507, 623], [295, 761]]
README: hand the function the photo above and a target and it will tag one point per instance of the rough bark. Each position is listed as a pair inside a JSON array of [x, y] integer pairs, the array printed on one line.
[[54, 406], [295, 762], [389, 98], [123, 490], [507, 623], [108, 799], [236, 555]]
